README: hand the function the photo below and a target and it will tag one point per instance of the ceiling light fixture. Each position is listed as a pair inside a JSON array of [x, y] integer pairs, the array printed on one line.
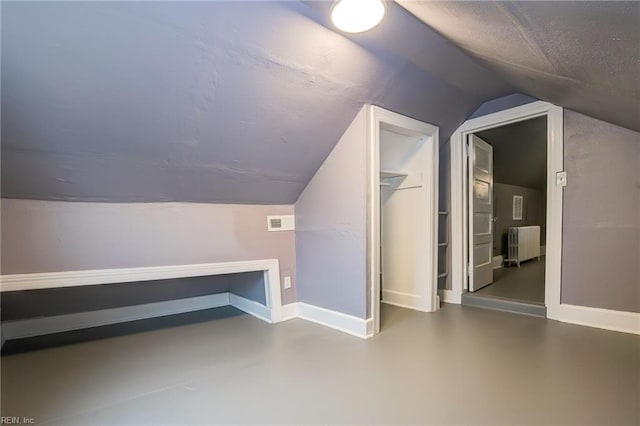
[[356, 16]]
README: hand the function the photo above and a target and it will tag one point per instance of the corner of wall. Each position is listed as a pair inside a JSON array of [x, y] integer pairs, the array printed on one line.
[[331, 227]]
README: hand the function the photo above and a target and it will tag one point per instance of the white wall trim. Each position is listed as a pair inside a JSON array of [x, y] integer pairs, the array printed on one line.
[[370, 328], [449, 296], [497, 262], [44, 280], [376, 117], [122, 275], [400, 304], [342, 322], [251, 307], [60, 323], [346, 323], [289, 311], [31, 327], [459, 202], [626, 322]]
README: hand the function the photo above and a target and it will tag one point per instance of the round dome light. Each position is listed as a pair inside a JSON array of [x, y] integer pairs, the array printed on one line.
[[356, 16]]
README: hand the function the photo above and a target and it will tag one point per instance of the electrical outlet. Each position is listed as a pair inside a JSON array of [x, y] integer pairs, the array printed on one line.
[[287, 281]]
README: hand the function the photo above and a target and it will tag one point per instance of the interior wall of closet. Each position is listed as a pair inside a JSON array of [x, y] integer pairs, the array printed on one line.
[[404, 247]]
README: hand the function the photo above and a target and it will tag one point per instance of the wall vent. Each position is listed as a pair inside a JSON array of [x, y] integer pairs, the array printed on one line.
[[276, 223], [281, 223]]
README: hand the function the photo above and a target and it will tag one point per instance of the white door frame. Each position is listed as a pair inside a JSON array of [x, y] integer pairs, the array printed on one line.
[[377, 117], [459, 202]]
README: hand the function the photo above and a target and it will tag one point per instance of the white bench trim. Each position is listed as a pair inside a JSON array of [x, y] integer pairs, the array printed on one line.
[[273, 312], [270, 267]]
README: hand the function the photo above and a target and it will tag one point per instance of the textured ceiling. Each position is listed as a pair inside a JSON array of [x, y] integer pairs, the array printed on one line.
[[207, 101], [519, 153], [580, 55]]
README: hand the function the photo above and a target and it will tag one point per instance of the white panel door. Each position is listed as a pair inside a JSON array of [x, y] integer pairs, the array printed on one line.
[[480, 213]]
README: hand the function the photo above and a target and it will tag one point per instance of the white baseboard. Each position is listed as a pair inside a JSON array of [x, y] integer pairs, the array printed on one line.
[[370, 328], [289, 311], [450, 296], [251, 307], [626, 322], [346, 323], [60, 323], [403, 305], [403, 300]]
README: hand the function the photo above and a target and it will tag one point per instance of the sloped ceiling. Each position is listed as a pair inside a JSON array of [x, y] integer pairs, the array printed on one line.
[[580, 55], [219, 102]]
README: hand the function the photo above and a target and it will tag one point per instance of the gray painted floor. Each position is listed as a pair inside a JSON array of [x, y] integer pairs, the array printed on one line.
[[525, 284], [462, 365]]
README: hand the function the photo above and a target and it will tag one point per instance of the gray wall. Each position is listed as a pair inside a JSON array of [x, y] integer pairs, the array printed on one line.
[[331, 228], [249, 285], [51, 236], [519, 153], [214, 101], [601, 228], [534, 213]]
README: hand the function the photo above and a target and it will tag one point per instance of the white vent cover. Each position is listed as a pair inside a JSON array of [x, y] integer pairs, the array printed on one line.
[[281, 223]]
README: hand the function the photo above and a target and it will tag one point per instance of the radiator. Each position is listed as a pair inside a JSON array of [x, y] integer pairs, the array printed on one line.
[[524, 243]]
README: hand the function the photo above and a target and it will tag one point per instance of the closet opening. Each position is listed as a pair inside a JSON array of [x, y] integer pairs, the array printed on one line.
[[405, 212]]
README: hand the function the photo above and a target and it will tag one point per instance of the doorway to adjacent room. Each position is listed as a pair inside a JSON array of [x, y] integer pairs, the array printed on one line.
[[506, 210], [507, 204]]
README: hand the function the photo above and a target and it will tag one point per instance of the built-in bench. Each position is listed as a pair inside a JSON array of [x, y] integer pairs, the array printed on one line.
[[40, 304]]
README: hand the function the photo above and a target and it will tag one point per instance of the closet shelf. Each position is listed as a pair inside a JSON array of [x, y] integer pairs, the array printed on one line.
[[386, 177], [391, 175], [398, 180]]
